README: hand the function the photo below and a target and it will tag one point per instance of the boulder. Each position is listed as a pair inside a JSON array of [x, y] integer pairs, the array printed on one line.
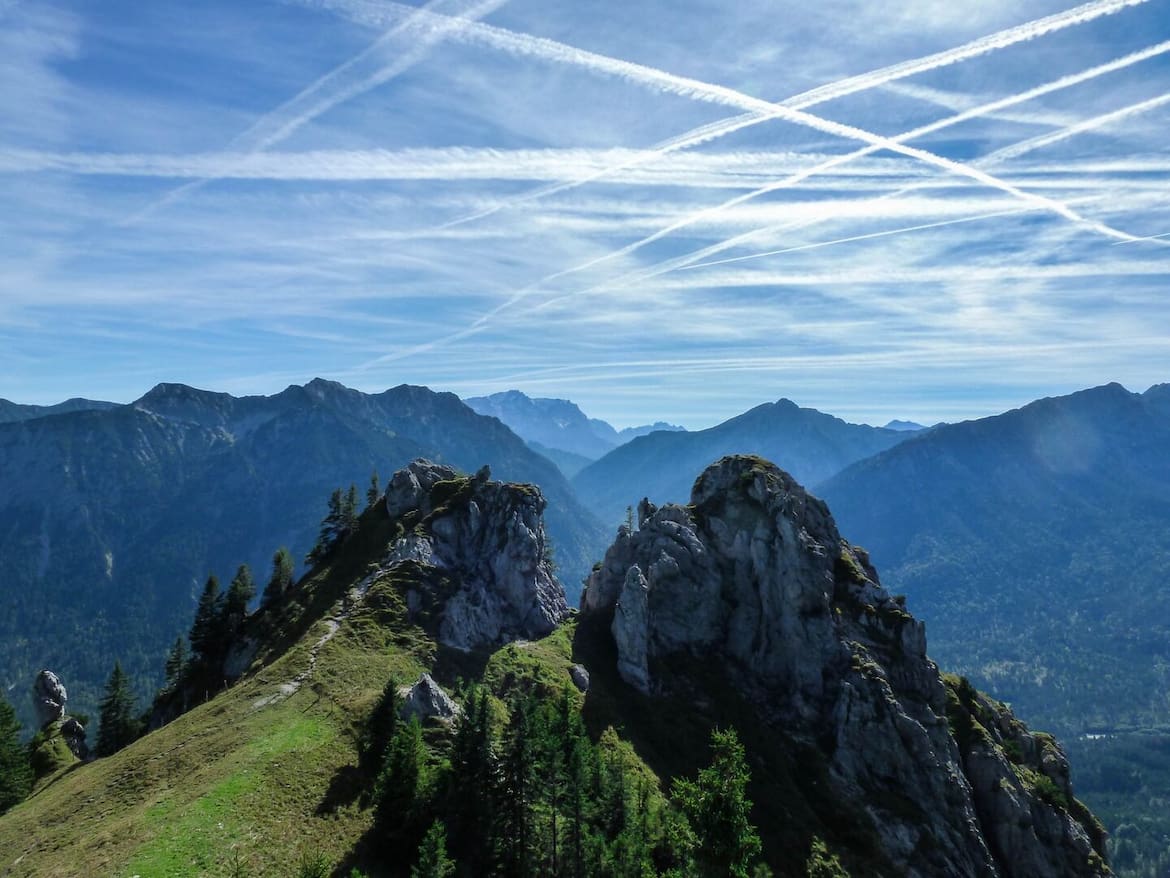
[[73, 733], [426, 699], [580, 677], [409, 488], [49, 697]]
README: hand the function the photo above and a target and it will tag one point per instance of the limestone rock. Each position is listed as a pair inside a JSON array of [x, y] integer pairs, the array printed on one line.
[[426, 699], [73, 733], [580, 677], [49, 697], [754, 578], [409, 488], [486, 541]]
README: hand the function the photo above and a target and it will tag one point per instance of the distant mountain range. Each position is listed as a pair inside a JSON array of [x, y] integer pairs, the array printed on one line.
[[557, 426], [904, 426], [809, 444], [1036, 544], [11, 412], [111, 518]]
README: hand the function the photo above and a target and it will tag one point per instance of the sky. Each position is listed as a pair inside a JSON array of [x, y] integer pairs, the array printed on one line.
[[660, 210]]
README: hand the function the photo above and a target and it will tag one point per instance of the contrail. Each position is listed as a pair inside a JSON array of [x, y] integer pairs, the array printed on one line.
[[1043, 140], [1016, 150], [253, 139], [529, 46], [875, 143], [760, 111]]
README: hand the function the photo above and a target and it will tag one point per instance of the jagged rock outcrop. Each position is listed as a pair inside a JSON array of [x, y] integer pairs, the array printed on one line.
[[426, 699], [49, 697], [482, 547], [73, 734], [754, 577]]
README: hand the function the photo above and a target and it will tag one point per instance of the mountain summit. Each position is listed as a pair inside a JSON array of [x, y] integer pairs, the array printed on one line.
[[807, 443], [753, 582]]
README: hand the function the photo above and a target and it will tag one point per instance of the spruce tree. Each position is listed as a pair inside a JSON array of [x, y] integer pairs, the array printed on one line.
[[402, 792], [474, 767], [281, 579], [717, 807], [373, 492], [16, 774], [118, 718], [349, 512], [176, 662], [518, 784], [433, 861], [239, 594], [331, 530], [379, 730], [207, 630]]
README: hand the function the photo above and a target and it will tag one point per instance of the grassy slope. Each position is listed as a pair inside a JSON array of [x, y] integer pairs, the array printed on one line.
[[234, 773], [247, 776]]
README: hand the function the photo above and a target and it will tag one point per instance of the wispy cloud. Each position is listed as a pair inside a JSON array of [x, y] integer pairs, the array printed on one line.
[[408, 43]]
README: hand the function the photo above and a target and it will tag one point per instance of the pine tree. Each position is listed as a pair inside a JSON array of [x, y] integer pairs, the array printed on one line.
[[281, 579], [379, 730], [474, 766], [518, 791], [118, 716], [402, 790], [349, 512], [176, 662], [331, 532], [433, 861], [239, 594], [16, 774], [373, 492], [717, 807], [207, 630]]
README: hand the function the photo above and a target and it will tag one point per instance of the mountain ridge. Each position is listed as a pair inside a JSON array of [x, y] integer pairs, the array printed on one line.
[[811, 444]]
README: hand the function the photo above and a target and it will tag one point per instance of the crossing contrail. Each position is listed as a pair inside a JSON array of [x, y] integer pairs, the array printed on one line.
[[1016, 150], [315, 99], [974, 112], [525, 45], [760, 111]]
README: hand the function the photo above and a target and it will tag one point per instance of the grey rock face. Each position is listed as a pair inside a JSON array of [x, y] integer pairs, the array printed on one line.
[[49, 697], [580, 677], [426, 699], [73, 733], [487, 540], [753, 576], [409, 488]]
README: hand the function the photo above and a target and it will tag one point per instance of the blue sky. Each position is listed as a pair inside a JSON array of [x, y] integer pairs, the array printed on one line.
[[933, 210]]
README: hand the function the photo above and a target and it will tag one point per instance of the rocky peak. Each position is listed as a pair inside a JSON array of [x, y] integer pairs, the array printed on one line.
[[753, 577], [49, 697], [481, 547]]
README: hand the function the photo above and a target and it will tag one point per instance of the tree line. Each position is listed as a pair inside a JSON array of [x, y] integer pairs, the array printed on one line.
[[520, 789]]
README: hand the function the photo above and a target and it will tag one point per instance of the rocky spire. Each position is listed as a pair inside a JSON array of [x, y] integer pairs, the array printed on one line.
[[484, 539], [753, 577]]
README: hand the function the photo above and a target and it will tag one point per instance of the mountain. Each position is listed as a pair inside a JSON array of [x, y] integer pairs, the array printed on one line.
[[904, 426], [557, 426], [553, 423], [11, 412], [628, 433], [742, 621], [567, 462], [111, 520], [807, 443], [1037, 545]]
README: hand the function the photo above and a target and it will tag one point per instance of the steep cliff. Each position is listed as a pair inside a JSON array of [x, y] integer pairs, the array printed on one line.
[[753, 578]]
